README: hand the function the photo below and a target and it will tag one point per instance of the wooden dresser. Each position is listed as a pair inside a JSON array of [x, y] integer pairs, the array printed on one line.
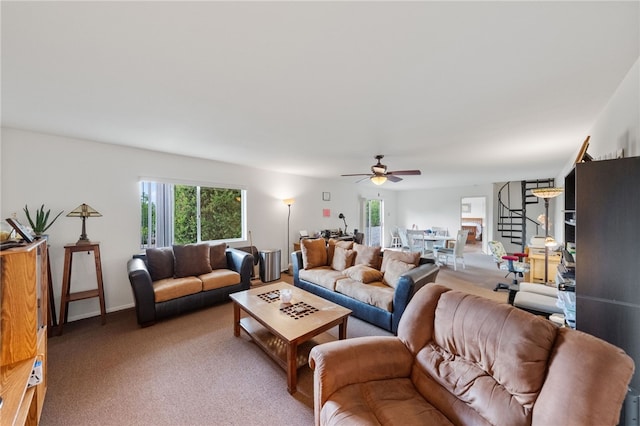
[[23, 332]]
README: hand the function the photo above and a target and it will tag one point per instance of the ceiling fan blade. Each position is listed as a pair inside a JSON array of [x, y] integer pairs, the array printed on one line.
[[393, 178], [358, 174], [405, 172]]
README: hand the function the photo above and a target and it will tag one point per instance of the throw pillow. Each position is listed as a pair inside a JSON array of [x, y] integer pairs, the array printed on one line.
[[365, 255], [191, 260], [395, 269], [160, 263], [363, 273], [331, 247], [342, 258], [403, 256], [218, 256], [314, 253]]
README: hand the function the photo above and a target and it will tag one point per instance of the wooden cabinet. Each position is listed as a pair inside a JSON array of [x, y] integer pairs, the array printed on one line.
[[23, 331], [536, 267], [607, 246]]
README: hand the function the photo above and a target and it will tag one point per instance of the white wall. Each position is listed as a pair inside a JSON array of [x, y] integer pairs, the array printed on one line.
[[616, 127], [62, 173], [441, 207]]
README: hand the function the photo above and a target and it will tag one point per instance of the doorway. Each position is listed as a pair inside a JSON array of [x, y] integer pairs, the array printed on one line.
[[473, 218], [373, 223]]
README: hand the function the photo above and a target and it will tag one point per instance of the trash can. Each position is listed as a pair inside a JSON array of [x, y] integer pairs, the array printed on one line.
[[269, 265]]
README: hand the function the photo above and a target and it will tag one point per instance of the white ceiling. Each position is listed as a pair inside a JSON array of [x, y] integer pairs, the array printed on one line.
[[468, 92]]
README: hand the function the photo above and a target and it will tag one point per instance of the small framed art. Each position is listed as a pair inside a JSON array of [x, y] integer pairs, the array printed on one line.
[[20, 229], [326, 196]]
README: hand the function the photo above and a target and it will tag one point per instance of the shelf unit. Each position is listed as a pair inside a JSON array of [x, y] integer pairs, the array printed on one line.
[[23, 330], [570, 207], [607, 244]]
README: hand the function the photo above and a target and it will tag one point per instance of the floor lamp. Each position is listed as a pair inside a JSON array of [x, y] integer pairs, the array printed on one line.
[[288, 202], [546, 194]]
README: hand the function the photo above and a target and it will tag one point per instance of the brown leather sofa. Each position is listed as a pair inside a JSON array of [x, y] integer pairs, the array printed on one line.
[[168, 281], [464, 360]]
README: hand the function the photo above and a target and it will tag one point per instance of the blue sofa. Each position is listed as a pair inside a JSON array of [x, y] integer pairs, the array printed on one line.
[[409, 283]]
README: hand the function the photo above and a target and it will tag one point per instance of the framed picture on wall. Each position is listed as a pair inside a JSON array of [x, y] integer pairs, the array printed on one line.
[[326, 196], [466, 208]]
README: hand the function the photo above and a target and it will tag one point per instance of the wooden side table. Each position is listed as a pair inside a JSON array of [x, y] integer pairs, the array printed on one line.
[[67, 296]]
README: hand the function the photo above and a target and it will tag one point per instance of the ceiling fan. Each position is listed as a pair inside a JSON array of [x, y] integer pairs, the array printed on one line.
[[380, 175]]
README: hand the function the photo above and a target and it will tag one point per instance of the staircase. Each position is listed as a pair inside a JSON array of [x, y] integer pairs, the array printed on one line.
[[512, 215]]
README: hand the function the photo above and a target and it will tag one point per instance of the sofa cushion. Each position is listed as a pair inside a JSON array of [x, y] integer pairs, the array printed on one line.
[[386, 402], [160, 263], [366, 255], [191, 260], [363, 273], [478, 352], [172, 288], [219, 278], [331, 246], [374, 294], [323, 276], [342, 258], [395, 269], [403, 256], [218, 256], [314, 252]]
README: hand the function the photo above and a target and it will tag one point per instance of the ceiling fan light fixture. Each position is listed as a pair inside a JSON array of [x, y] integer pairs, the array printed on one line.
[[378, 180]]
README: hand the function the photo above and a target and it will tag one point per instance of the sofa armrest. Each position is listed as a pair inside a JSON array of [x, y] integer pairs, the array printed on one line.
[[296, 263], [357, 360], [410, 282], [142, 288], [241, 262]]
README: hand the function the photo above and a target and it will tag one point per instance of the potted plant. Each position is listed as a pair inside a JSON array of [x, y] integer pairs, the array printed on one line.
[[41, 223]]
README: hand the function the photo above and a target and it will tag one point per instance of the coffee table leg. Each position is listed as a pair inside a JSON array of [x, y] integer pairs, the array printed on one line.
[[236, 319], [292, 367], [342, 329]]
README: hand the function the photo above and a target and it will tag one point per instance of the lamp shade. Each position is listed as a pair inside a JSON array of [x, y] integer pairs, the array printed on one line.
[[378, 180], [84, 210], [289, 201], [546, 192]]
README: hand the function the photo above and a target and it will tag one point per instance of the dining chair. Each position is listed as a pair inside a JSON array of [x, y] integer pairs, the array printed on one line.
[[404, 239], [395, 238], [416, 241], [456, 253]]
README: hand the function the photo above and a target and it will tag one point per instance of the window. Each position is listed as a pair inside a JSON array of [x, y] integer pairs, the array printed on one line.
[[182, 214]]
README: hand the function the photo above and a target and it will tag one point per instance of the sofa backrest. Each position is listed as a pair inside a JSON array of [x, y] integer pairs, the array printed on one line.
[[482, 362]]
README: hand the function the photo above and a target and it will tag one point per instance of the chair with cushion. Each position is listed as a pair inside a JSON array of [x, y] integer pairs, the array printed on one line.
[[456, 253], [416, 241], [461, 359], [512, 263], [440, 232]]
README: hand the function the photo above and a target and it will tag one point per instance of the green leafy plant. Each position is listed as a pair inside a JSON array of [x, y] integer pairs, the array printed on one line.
[[41, 223]]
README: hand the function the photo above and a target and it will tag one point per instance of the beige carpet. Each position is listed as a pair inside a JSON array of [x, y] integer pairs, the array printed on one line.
[[191, 370]]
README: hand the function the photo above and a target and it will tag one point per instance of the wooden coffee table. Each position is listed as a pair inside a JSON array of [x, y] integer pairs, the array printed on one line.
[[285, 331]]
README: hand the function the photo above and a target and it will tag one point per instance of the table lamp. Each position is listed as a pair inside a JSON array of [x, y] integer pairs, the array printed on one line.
[[84, 211], [546, 194]]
